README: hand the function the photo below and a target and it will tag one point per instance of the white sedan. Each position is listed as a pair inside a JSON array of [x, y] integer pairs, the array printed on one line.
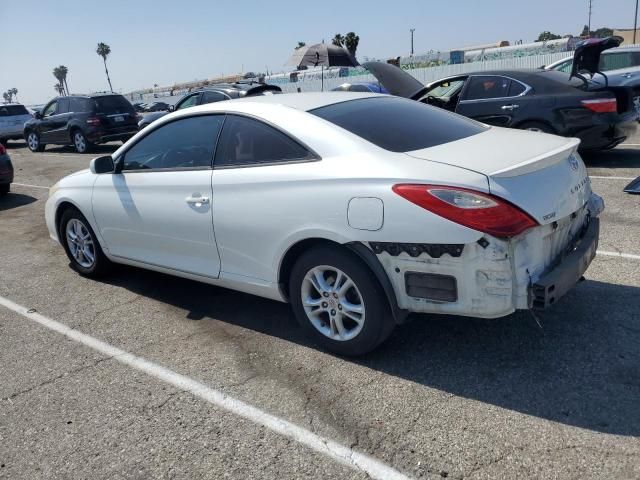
[[355, 208]]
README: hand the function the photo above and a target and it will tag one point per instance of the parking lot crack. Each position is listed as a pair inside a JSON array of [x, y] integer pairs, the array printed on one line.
[[55, 378]]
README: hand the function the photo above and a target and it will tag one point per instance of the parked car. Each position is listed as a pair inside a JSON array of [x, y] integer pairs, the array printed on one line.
[[156, 107], [138, 106], [215, 93], [361, 87], [6, 171], [319, 200], [539, 100], [12, 119], [617, 67], [82, 121]]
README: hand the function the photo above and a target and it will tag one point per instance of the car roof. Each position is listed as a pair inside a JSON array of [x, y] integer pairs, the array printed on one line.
[[10, 104], [239, 87]]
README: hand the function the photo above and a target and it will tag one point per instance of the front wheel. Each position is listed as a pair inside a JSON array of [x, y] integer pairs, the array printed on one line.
[[81, 245], [33, 142], [338, 302], [80, 142]]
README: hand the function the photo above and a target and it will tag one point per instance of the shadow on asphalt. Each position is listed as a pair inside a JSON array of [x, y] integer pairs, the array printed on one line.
[[581, 369], [15, 200], [619, 157]]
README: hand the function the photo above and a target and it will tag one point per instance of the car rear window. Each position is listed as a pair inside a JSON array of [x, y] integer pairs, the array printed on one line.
[[113, 104], [10, 110], [397, 124]]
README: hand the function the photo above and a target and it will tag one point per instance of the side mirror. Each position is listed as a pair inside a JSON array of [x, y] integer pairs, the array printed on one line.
[[38, 115], [102, 165], [172, 108]]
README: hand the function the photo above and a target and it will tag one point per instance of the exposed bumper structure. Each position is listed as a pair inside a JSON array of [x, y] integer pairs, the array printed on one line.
[[494, 277]]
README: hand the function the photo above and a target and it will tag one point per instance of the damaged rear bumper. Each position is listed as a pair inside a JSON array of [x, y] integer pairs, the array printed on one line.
[[557, 282], [493, 277]]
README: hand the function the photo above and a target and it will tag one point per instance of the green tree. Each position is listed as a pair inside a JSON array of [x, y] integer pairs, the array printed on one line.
[[60, 73], [104, 50], [602, 32], [351, 41], [7, 97], [300, 45], [338, 40], [547, 35]]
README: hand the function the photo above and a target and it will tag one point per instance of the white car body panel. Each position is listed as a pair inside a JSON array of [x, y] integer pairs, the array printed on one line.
[[256, 214]]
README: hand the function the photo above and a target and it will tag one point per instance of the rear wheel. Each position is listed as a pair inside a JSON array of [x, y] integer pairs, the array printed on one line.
[[81, 245], [338, 302], [33, 142], [80, 142], [536, 127]]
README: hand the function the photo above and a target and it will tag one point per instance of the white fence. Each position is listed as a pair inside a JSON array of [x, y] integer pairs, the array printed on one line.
[[426, 75]]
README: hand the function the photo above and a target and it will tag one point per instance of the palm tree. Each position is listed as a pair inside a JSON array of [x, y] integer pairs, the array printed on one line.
[[104, 50], [58, 87], [300, 45], [7, 97], [61, 75], [338, 40], [351, 41], [14, 91]]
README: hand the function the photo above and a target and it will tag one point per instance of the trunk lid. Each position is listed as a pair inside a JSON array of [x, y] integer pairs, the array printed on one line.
[[587, 54], [542, 174]]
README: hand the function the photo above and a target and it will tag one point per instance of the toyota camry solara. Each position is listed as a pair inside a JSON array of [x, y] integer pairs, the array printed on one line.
[[355, 208]]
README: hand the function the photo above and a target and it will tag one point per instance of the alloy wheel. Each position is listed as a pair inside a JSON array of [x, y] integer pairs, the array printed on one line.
[[80, 142], [333, 303], [33, 141], [80, 243]]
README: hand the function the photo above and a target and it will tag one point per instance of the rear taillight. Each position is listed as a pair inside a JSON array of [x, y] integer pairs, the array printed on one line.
[[601, 105], [2, 149], [479, 211], [95, 121]]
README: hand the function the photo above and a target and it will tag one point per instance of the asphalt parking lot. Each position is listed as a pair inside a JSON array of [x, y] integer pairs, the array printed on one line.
[[445, 397]]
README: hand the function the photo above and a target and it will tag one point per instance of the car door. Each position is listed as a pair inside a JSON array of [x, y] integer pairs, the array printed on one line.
[[49, 123], [494, 99], [157, 210]]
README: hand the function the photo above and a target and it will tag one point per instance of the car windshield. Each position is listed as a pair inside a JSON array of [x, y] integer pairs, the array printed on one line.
[[397, 124], [10, 110], [113, 104]]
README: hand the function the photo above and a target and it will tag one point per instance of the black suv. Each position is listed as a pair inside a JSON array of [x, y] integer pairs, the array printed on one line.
[[215, 93], [82, 121]]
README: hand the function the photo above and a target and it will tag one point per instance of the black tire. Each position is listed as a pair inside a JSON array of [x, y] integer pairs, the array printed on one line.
[[100, 264], [378, 322], [33, 142], [80, 141], [4, 189], [537, 127], [3, 142]]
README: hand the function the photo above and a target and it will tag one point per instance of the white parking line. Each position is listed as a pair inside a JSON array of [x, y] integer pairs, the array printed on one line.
[[612, 178], [618, 254], [30, 186], [334, 450]]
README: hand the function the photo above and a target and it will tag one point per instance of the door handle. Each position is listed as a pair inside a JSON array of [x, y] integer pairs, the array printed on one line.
[[197, 201], [509, 107]]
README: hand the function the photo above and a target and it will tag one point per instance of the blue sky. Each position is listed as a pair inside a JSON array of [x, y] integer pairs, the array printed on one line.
[[169, 41]]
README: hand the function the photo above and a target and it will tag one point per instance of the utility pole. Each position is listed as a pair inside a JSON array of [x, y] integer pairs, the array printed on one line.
[[589, 32], [635, 23], [412, 30]]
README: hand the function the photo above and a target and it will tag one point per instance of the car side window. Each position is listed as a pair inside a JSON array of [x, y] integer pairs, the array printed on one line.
[[63, 106], [188, 102], [212, 97], [245, 141], [487, 87], [50, 109], [615, 61], [183, 143], [516, 88]]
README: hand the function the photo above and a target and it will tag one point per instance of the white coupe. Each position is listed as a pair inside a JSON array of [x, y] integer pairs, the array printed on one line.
[[355, 208]]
